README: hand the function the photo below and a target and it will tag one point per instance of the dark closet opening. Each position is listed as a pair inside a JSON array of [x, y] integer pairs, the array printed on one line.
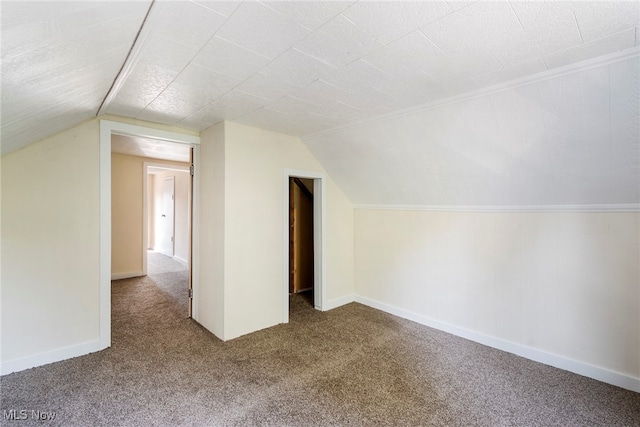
[[301, 246]]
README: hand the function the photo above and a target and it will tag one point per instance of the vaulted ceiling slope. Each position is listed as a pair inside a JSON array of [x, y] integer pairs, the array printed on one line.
[[297, 67], [58, 61], [569, 139]]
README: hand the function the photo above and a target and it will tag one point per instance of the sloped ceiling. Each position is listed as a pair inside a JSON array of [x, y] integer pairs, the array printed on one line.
[[58, 61], [297, 67], [567, 140]]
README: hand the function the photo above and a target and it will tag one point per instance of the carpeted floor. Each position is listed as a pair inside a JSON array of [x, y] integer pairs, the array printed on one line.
[[351, 366]]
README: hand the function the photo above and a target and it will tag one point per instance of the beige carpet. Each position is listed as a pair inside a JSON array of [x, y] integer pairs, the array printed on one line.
[[352, 366]]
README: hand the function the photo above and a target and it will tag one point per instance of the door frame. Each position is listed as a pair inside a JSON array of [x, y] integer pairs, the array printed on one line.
[[108, 128], [145, 205], [319, 238]]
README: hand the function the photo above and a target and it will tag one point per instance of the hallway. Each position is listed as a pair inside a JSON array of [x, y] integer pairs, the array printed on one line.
[[169, 276]]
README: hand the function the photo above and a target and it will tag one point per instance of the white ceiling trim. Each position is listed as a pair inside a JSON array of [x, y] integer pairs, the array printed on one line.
[[125, 129], [130, 61], [500, 87], [628, 207]]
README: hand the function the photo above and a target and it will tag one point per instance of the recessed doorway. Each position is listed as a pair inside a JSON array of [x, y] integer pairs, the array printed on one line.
[[151, 213], [304, 238], [109, 131], [301, 248]]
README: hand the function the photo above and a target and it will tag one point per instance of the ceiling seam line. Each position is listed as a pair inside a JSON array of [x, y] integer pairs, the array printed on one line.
[[215, 33], [293, 47], [575, 18], [126, 59], [516, 15], [234, 87]]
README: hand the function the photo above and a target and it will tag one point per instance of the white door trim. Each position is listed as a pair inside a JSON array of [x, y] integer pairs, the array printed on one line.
[[108, 128], [319, 238]]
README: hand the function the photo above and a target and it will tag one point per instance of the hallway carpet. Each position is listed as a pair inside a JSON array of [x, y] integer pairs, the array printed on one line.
[[352, 366]]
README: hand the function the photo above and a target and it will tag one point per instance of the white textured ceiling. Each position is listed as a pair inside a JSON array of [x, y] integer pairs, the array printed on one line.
[[566, 139], [296, 67], [322, 70], [58, 62]]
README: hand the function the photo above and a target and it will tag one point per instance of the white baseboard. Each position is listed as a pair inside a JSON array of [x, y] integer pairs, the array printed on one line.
[[581, 368], [52, 356], [337, 302], [181, 261], [120, 276]]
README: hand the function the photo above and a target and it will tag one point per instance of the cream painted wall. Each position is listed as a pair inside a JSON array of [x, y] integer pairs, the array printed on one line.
[[340, 246], [563, 283], [126, 216], [50, 247], [210, 308], [126, 213], [181, 214], [50, 227], [241, 241], [254, 163]]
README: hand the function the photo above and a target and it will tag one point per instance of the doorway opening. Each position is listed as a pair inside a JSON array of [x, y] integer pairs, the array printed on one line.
[[304, 239], [152, 144], [167, 215], [151, 214], [167, 222], [301, 248]]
